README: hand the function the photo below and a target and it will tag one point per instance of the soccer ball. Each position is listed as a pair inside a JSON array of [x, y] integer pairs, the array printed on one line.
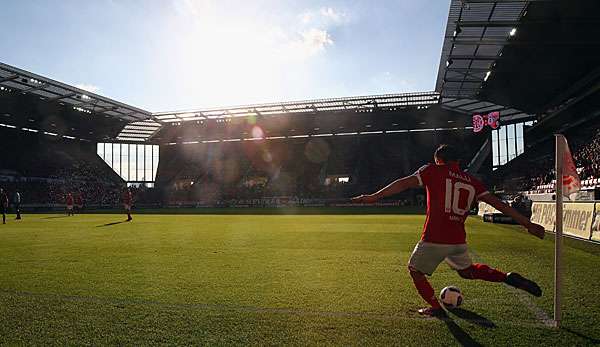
[[451, 297]]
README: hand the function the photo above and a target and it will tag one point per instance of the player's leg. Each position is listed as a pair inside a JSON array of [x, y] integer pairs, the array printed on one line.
[[427, 293], [461, 262], [424, 260], [128, 211], [18, 208]]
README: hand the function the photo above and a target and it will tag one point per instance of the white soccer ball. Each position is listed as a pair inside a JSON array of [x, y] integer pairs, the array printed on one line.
[[451, 297]]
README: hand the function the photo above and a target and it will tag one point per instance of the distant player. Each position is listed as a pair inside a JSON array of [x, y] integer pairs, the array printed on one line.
[[3, 204], [127, 201], [450, 195], [17, 204], [79, 202], [69, 204]]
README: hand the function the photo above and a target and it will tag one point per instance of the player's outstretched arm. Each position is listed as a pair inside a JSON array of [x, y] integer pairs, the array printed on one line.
[[534, 229], [393, 188]]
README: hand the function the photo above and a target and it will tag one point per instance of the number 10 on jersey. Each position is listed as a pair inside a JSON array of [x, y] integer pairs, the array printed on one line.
[[452, 199]]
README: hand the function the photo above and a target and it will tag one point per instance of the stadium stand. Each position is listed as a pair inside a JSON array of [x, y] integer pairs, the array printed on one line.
[[298, 168], [44, 171], [521, 175]]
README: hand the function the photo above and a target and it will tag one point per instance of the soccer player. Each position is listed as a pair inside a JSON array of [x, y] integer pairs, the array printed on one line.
[[127, 201], [79, 202], [17, 203], [450, 195], [69, 204], [3, 204]]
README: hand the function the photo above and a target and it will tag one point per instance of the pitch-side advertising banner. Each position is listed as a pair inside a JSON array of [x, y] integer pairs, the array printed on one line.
[[596, 225], [577, 217]]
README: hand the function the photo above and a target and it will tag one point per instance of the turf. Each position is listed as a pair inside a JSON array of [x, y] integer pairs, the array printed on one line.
[[272, 279]]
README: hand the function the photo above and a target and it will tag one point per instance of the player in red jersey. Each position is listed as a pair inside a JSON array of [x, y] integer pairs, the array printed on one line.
[[79, 202], [450, 195], [69, 204], [127, 201]]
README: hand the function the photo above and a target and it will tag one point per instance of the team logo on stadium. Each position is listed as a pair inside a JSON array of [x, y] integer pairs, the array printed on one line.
[[481, 120]]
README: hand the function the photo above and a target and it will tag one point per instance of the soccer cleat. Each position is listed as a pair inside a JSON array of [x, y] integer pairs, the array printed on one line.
[[433, 312], [520, 282]]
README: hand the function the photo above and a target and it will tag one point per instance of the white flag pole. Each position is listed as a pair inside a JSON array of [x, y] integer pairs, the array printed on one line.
[[560, 150]]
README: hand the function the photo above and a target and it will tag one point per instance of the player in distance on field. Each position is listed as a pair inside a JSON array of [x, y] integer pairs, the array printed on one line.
[[70, 202], [450, 195], [127, 201], [3, 204]]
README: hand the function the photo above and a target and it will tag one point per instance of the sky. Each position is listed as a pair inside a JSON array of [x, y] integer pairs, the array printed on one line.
[[165, 55]]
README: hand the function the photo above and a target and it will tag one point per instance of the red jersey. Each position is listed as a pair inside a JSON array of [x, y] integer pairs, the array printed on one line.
[[450, 195], [69, 200], [127, 198]]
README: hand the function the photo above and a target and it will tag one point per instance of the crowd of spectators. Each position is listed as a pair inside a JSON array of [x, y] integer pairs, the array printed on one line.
[[587, 158], [534, 170], [304, 169], [88, 182], [586, 155]]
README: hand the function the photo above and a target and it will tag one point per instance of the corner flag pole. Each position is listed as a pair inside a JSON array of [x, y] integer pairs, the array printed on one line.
[[560, 150]]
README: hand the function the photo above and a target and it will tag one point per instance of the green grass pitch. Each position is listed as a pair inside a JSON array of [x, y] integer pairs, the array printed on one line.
[[273, 279]]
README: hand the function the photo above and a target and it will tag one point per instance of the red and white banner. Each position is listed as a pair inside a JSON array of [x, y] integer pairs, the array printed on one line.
[[481, 120]]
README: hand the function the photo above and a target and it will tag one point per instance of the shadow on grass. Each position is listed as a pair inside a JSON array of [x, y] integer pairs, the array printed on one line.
[[461, 336], [109, 224], [55, 217], [589, 338], [473, 317]]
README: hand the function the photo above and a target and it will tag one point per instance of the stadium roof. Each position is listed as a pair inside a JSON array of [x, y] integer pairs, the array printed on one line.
[[362, 115], [140, 124], [531, 55], [50, 90], [359, 103], [139, 131], [142, 131], [475, 106], [476, 33]]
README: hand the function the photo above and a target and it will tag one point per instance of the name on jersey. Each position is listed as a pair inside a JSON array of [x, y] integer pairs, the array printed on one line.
[[459, 176]]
